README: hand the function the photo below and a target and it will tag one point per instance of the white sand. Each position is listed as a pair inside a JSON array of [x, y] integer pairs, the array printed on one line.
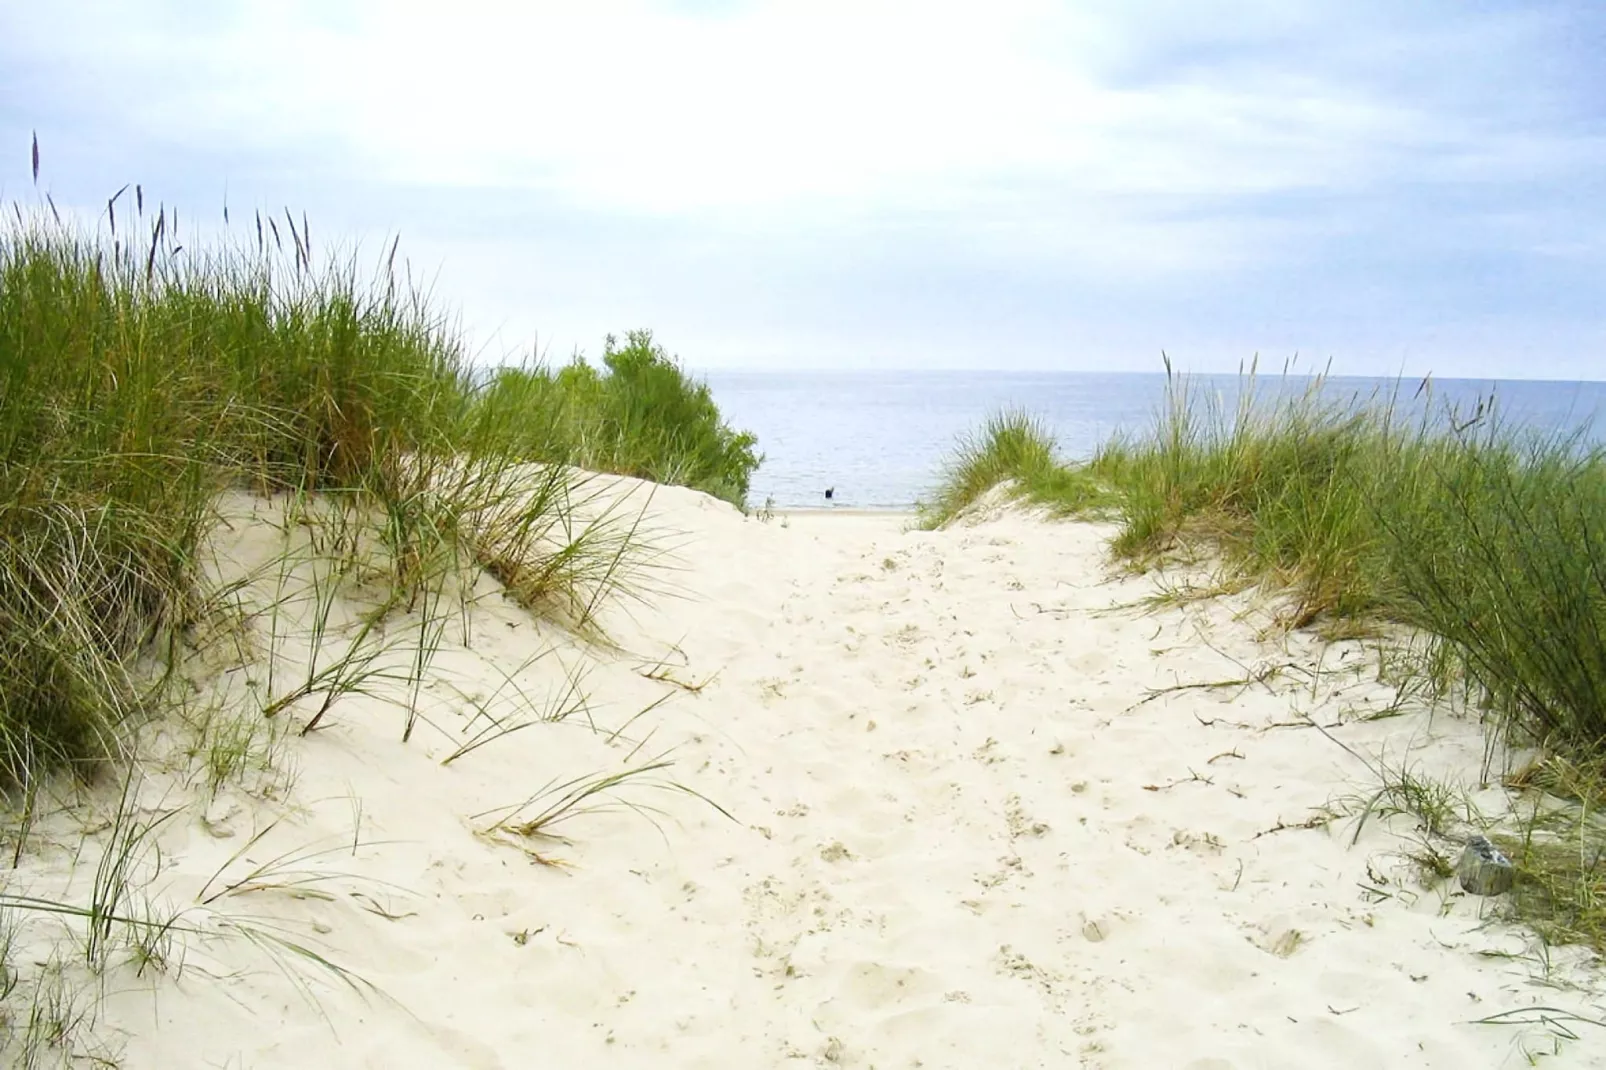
[[959, 840]]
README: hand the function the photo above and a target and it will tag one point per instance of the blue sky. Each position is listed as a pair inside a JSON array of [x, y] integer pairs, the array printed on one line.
[[884, 183]]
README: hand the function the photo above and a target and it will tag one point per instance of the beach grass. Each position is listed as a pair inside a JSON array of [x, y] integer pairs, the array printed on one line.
[[1014, 450], [142, 377], [144, 380], [1369, 515], [1481, 535], [1484, 536]]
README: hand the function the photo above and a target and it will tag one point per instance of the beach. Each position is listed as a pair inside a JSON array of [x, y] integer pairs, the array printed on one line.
[[1076, 539], [955, 798]]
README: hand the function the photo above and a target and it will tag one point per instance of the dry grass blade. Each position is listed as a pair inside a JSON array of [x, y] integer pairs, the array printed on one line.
[[285, 950], [564, 800], [570, 701], [287, 871], [1553, 1018], [560, 801]]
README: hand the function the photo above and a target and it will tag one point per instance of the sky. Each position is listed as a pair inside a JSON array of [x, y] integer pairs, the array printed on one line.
[[1379, 187]]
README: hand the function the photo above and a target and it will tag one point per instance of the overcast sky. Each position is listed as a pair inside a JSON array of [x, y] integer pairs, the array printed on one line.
[[1395, 186]]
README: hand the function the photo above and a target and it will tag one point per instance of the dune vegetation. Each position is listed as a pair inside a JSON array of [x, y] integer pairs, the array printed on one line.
[[1482, 540], [142, 382], [639, 415]]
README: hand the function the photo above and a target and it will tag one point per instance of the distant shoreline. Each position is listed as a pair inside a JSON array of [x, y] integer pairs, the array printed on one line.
[[845, 511], [884, 438]]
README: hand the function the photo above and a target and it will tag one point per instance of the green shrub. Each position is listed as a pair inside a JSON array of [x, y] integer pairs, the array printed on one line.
[[643, 416]]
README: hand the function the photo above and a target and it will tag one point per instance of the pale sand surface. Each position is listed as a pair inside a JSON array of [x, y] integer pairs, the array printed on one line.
[[959, 839]]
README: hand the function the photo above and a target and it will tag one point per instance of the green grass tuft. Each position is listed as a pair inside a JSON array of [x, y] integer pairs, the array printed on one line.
[[1012, 448]]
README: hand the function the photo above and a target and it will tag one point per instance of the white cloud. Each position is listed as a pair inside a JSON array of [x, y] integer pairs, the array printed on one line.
[[815, 105], [1144, 153]]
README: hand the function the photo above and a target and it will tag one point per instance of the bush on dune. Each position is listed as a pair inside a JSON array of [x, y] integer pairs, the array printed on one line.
[[642, 415]]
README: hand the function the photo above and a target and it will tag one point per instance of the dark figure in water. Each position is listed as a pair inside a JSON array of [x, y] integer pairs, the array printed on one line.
[[828, 492]]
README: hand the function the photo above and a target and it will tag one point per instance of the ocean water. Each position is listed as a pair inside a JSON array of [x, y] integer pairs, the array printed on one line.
[[880, 438]]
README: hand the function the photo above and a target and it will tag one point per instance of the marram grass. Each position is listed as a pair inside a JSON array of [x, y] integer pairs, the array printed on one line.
[[1489, 539], [140, 381], [139, 378], [1014, 449]]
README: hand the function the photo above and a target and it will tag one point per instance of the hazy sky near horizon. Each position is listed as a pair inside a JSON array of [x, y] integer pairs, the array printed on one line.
[[884, 183]]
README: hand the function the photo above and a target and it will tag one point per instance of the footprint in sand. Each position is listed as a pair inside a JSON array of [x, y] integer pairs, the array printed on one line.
[[835, 852]]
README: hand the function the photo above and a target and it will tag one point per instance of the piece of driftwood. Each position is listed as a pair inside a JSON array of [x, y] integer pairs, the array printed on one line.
[[1482, 869]]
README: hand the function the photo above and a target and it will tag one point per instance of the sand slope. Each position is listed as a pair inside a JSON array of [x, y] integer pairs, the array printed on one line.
[[961, 838]]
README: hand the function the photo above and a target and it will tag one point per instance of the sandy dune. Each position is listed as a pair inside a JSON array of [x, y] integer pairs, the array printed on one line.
[[961, 838]]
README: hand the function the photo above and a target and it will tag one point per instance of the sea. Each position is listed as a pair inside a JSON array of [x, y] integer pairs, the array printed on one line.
[[879, 440]]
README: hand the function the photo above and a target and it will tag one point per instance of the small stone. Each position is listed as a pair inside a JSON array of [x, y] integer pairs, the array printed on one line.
[[1483, 870]]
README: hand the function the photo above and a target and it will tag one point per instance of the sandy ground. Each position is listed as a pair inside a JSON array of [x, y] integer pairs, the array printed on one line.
[[965, 830]]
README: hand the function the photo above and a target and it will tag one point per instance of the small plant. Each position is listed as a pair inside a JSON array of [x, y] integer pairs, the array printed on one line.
[[1439, 809], [558, 708], [561, 544], [559, 802], [227, 745], [58, 1025], [359, 668], [109, 911]]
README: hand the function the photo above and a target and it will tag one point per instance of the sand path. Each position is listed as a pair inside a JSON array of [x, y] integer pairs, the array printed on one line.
[[962, 838]]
